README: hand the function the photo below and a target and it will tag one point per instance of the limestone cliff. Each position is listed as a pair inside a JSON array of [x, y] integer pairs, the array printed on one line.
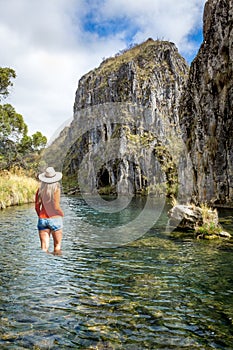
[[206, 109], [125, 135], [144, 122]]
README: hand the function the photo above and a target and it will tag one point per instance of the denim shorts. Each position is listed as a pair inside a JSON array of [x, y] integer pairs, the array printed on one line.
[[53, 224]]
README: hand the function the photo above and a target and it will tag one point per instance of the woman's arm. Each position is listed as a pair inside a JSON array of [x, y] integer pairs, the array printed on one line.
[[56, 203], [37, 203]]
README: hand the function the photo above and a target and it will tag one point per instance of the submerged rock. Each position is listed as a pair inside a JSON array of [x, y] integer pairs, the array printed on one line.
[[225, 234]]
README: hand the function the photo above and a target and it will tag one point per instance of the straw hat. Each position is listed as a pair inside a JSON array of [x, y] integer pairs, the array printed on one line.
[[50, 176]]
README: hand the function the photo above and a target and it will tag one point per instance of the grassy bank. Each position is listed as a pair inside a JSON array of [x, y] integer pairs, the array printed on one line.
[[16, 189]]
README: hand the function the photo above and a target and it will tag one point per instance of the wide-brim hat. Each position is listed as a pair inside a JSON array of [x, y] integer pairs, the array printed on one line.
[[50, 176]]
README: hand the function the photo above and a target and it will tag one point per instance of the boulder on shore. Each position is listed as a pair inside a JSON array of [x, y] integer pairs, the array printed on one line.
[[185, 216], [204, 221]]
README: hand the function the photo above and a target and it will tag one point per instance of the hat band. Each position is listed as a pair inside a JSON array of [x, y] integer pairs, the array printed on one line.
[[50, 176]]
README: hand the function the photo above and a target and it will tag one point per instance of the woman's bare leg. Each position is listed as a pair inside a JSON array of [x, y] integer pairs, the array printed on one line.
[[44, 239], [57, 238]]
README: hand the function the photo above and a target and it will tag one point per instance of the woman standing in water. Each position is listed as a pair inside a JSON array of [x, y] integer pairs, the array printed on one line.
[[50, 214]]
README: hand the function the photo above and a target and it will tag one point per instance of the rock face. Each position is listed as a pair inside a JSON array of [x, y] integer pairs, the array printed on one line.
[[144, 122], [206, 109], [150, 75], [125, 135]]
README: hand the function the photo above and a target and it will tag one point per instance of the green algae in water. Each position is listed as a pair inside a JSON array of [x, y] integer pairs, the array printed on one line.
[[158, 292]]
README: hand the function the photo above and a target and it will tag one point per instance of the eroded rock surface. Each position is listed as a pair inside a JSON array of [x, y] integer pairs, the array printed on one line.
[[206, 110], [125, 135]]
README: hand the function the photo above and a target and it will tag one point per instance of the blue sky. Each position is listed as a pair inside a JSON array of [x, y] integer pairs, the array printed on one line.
[[52, 44], [124, 26], [110, 27]]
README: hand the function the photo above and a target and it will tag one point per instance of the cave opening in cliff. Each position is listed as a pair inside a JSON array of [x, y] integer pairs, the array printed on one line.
[[104, 183], [104, 178]]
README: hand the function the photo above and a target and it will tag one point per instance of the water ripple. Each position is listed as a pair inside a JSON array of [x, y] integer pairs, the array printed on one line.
[[166, 295]]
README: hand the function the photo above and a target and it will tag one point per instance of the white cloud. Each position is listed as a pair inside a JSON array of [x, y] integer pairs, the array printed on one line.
[[44, 41], [167, 19]]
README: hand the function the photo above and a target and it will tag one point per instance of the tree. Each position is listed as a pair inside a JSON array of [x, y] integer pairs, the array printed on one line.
[[6, 74], [16, 147], [12, 125], [39, 141]]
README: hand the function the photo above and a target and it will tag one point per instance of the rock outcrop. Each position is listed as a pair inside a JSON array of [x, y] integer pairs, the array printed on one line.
[[146, 123], [202, 222], [206, 109], [185, 216], [125, 135]]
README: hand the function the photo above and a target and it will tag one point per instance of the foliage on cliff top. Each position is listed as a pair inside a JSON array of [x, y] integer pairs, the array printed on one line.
[[142, 52]]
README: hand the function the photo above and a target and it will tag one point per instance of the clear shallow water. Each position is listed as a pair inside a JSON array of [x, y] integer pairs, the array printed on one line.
[[158, 292]]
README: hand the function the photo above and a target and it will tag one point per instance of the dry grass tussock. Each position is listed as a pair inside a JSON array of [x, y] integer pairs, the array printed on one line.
[[16, 188]]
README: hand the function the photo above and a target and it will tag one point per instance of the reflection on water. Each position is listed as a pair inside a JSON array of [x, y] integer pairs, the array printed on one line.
[[101, 228], [158, 292]]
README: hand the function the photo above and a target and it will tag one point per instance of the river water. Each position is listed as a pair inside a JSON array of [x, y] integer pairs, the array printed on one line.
[[158, 291]]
